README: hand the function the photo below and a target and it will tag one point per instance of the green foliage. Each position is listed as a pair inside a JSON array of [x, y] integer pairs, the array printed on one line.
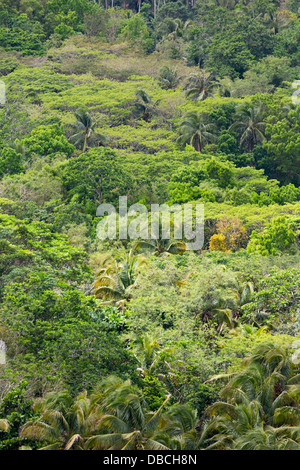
[[221, 173], [287, 42], [135, 31], [51, 317], [95, 175], [257, 407], [30, 246], [63, 30], [283, 146], [10, 162], [166, 320], [8, 65], [196, 131], [47, 141], [227, 144], [277, 237], [154, 392], [184, 185], [277, 302], [229, 55], [116, 319], [16, 409], [26, 42], [168, 78]]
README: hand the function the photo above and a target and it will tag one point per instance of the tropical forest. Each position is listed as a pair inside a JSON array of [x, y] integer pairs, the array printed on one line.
[[124, 343]]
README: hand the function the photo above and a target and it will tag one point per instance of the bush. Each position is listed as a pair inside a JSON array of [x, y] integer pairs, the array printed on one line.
[[276, 238], [10, 162], [16, 39], [231, 235], [47, 141]]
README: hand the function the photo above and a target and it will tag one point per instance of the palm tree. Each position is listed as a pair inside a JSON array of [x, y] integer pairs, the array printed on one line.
[[180, 423], [269, 438], [242, 293], [260, 407], [168, 78], [194, 130], [19, 147], [146, 105], [115, 280], [126, 424], [63, 424], [226, 87], [86, 127], [147, 350], [241, 427], [163, 239], [199, 86], [228, 423], [249, 126], [162, 246], [273, 359]]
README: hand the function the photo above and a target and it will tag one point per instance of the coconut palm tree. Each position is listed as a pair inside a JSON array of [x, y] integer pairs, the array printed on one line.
[[241, 427], [259, 407], [126, 423], [249, 126], [115, 280], [168, 78], [269, 438], [145, 105], [196, 131], [180, 424], [64, 424], [172, 28], [147, 350], [229, 422], [219, 305], [164, 234], [162, 246], [273, 359], [19, 147], [226, 87], [163, 238], [86, 133], [199, 86]]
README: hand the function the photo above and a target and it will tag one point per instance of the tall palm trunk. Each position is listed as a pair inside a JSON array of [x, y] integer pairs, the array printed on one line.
[[196, 143], [85, 143]]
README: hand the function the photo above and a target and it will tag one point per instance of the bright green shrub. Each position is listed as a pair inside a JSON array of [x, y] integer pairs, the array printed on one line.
[[277, 237], [47, 141]]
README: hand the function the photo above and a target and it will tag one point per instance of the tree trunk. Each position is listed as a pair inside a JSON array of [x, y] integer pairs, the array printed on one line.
[[158, 6], [85, 142]]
